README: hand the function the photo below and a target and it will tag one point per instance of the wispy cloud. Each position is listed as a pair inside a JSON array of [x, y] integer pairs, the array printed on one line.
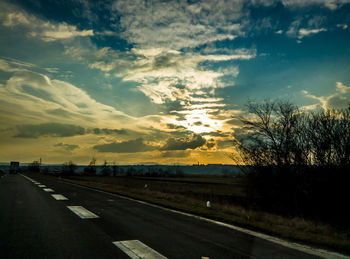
[[330, 4], [307, 32], [34, 95], [301, 28], [164, 75], [130, 146], [189, 25], [42, 29], [14, 65], [68, 147], [15, 19], [343, 26], [48, 129], [184, 143], [339, 99], [52, 32]]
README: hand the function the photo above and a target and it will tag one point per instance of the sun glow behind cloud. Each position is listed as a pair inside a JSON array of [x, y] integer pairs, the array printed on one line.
[[198, 121]]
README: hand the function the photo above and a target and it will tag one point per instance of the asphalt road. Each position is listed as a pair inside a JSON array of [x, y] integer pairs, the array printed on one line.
[[33, 224]]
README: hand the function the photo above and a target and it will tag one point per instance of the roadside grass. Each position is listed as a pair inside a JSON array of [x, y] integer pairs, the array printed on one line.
[[228, 204]]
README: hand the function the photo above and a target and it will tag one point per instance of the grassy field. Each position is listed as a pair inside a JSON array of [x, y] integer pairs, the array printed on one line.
[[228, 204]]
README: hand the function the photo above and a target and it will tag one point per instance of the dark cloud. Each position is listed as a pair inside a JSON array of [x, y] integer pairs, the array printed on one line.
[[180, 117], [197, 123], [105, 131], [240, 133], [184, 143], [131, 146], [82, 105], [214, 112], [174, 106], [164, 61], [40, 93], [210, 145], [338, 101], [176, 154], [48, 129], [59, 112], [226, 143], [61, 130], [159, 135], [234, 121], [218, 133], [174, 126], [66, 146]]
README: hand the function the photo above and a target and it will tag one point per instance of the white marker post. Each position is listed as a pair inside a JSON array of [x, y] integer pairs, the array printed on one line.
[[208, 204]]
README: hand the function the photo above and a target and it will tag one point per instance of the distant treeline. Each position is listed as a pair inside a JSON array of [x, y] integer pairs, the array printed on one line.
[[299, 160], [110, 169], [115, 170]]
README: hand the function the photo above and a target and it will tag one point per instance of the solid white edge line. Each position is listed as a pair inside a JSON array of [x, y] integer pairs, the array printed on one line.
[[300, 247], [82, 212], [136, 249]]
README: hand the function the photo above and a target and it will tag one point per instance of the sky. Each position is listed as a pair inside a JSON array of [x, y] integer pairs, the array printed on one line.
[[145, 82]]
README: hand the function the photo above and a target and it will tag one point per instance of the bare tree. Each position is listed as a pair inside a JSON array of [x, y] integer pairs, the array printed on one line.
[[329, 136], [105, 169], [273, 135], [296, 156], [91, 169], [69, 168]]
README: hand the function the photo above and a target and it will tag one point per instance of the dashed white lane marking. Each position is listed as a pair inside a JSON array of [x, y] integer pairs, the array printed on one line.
[[41, 185], [82, 212], [59, 197], [37, 183], [48, 190], [135, 249]]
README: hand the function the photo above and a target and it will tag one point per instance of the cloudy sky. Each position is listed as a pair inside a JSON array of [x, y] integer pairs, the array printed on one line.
[[159, 81]]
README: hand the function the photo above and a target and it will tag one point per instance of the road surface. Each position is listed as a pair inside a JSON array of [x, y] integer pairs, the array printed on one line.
[[48, 218]]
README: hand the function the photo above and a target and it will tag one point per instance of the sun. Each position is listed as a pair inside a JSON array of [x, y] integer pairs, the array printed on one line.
[[199, 121]]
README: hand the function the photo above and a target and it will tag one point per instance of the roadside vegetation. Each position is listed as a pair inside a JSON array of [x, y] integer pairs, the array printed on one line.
[[294, 182], [299, 161]]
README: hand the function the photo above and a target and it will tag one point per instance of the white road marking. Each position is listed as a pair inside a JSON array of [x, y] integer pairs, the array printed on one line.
[[59, 197], [135, 249], [48, 190], [41, 185], [82, 212], [36, 183], [30, 179], [300, 247]]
